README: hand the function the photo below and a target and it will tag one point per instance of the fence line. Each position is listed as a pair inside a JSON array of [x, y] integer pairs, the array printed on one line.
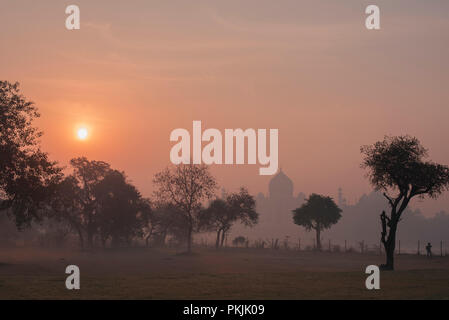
[[334, 246]]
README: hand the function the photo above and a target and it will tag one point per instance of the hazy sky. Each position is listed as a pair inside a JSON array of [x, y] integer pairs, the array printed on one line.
[[136, 70]]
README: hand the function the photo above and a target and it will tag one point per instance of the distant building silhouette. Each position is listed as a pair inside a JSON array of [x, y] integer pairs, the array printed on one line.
[[280, 200], [359, 220], [275, 209], [341, 200]]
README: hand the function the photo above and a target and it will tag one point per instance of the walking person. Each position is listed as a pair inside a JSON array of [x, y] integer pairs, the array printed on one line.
[[429, 250]]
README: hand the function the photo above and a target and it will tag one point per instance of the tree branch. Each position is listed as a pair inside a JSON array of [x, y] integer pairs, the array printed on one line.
[[389, 199]]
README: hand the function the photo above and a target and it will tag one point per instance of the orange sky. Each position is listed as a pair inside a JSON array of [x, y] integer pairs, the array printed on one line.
[[138, 69]]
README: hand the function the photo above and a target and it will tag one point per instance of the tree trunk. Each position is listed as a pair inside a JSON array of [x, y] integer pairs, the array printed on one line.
[[163, 238], [189, 239], [390, 246], [318, 239], [115, 241], [90, 239], [223, 234], [389, 226], [217, 242], [147, 238], [90, 233], [81, 238]]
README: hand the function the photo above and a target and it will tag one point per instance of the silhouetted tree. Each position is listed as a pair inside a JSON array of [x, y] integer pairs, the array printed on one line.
[[185, 186], [151, 222], [121, 211], [27, 177], [176, 227], [216, 218], [67, 205], [240, 240], [223, 213], [52, 232], [87, 174], [318, 213], [165, 219], [397, 167]]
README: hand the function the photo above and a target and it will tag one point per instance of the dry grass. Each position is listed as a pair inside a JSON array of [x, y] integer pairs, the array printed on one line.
[[228, 274]]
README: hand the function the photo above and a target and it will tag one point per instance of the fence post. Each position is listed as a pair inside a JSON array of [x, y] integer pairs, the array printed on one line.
[[345, 247], [329, 245], [441, 247], [299, 244], [419, 253]]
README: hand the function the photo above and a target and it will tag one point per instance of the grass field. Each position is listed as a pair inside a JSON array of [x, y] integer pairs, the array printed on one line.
[[207, 274]]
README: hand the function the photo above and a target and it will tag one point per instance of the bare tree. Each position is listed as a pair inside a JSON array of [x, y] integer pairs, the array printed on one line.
[[185, 186]]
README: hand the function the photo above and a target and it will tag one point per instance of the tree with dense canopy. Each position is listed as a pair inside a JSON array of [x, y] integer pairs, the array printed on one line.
[[317, 213], [165, 219], [86, 175], [122, 212], [238, 241], [397, 167], [67, 205], [96, 200], [27, 177], [223, 213]]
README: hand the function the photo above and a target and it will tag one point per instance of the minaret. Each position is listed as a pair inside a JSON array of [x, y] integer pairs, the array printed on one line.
[[223, 193], [341, 200]]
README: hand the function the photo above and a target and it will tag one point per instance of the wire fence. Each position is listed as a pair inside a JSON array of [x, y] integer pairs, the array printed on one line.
[[418, 247]]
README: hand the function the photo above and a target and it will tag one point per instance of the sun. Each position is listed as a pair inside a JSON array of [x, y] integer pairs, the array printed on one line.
[[82, 133]]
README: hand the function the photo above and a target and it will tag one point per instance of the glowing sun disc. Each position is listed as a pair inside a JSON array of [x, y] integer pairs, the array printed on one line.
[[82, 133]]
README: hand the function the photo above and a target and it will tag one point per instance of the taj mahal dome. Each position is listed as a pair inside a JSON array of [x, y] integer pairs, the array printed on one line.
[[275, 210]]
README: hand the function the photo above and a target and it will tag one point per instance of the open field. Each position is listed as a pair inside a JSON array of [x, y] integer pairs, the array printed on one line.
[[208, 274]]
